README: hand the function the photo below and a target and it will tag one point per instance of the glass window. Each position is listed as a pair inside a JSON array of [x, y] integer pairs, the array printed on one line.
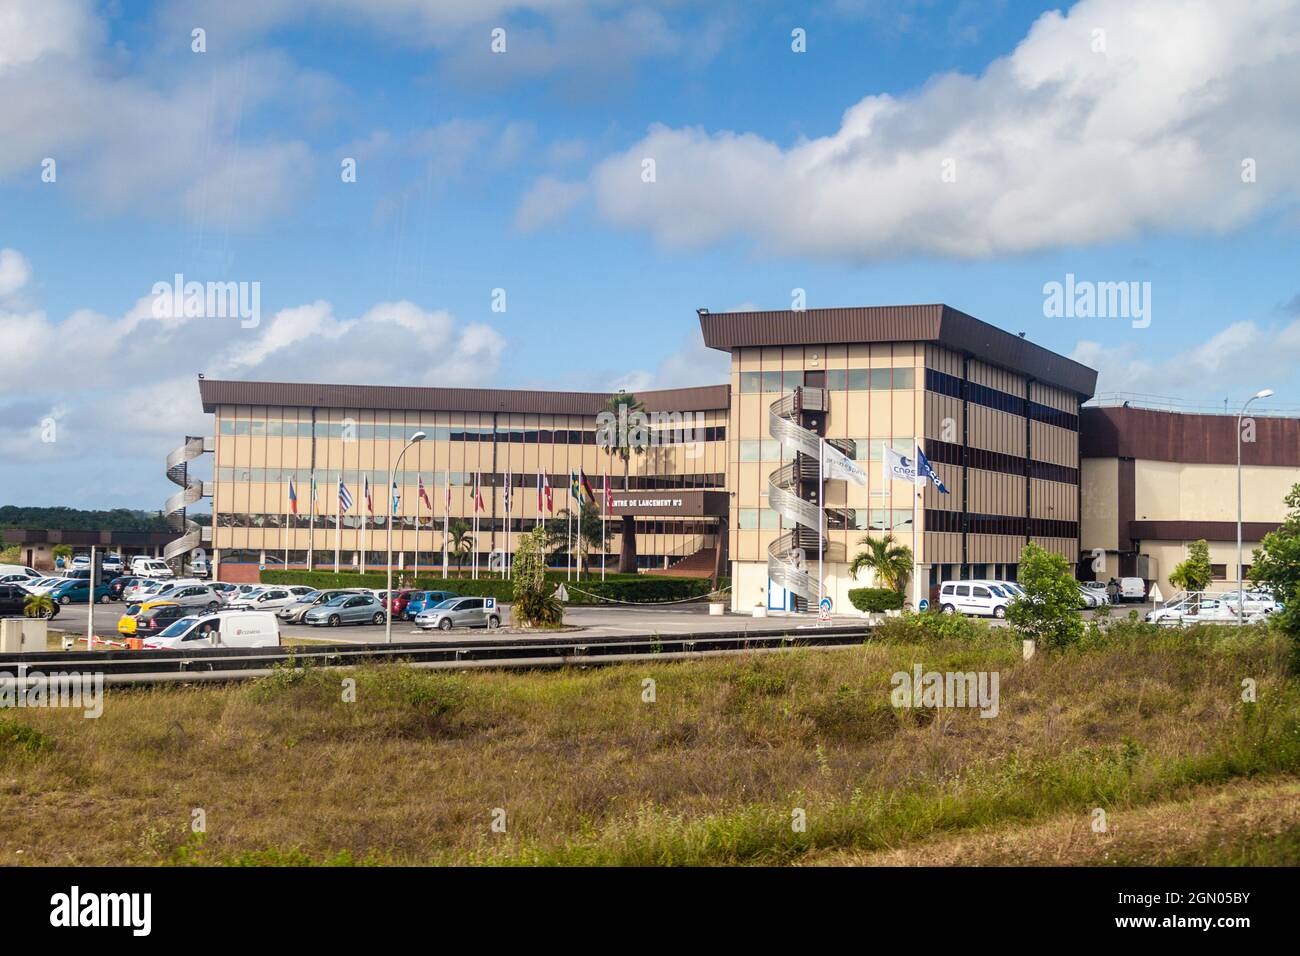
[[771, 449], [750, 449], [858, 379], [877, 449], [771, 381], [880, 378], [837, 379], [791, 380], [751, 381], [904, 378], [902, 519], [905, 446], [747, 519], [768, 519], [241, 428]]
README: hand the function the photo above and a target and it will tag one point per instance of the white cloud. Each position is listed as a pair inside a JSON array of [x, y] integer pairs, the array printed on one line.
[[547, 201], [1052, 145], [1238, 361], [15, 270], [691, 365]]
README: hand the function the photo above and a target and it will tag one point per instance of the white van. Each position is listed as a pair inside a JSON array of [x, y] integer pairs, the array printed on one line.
[[1132, 589], [151, 568], [16, 570], [215, 631], [980, 598]]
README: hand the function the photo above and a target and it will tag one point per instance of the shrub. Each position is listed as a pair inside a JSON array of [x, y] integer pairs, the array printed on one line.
[[876, 600], [1048, 613], [535, 604], [932, 626]]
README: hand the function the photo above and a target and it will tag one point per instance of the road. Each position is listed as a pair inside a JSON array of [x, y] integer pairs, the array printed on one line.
[[595, 621]]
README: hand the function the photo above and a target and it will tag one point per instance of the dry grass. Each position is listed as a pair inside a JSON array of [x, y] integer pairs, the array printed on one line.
[[286, 771]]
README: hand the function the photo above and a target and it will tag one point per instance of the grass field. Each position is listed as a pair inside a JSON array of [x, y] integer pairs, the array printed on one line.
[[1149, 727]]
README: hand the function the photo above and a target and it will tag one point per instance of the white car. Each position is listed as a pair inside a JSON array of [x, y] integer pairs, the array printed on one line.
[[151, 568], [270, 598], [974, 597], [215, 631], [1092, 597], [1132, 589]]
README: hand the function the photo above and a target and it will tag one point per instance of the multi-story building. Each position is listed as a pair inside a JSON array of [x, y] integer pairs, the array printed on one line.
[[730, 477], [1154, 481]]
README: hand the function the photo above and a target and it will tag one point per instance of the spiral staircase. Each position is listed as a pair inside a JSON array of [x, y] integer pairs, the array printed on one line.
[[192, 490], [795, 491]]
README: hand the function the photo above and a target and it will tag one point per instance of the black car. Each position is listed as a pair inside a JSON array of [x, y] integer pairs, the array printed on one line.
[[118, 585], [13, 602]]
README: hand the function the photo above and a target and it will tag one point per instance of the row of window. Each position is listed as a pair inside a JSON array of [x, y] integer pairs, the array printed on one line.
[[858, 519], [365, 431], [951, 385], [867, 449], [429, 562], [486, 524], [836, 379], [327, 478], [950, 453], [956, 522]]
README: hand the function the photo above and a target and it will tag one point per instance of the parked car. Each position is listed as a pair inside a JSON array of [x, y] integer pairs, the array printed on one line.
[[421, 601], [141, 589], [461, 612], [397, 604], [1132, 589], [195, 596], [151, 568], [111, 563], [18, 577], [347, 609], [1091, 597], [1173, 612], [270, 598], [153, 620], [18, 569], [215, 631], [77, 591], [971, 597], [13, 602], [295, 612], [225, 590], [118, 585]]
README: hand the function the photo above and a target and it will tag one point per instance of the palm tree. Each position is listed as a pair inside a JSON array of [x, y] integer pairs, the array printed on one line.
[[459, 542], [557, 532], [624, 442], [890, 562], [38, 605]]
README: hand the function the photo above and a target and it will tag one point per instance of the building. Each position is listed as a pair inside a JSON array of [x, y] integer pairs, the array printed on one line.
[[716, 487], [36, 545], [1155, 481]]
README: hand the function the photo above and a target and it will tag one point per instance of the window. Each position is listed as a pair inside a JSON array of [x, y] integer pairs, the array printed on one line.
[[750, 449], [880, 379], [747, 519], [904, 378], [751, 381], [979, 592], [791, 380], [859, 379], [837, 379]]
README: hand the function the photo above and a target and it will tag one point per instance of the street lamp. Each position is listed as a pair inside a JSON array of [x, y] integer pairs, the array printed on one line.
[[1241, 584], [388, 586]]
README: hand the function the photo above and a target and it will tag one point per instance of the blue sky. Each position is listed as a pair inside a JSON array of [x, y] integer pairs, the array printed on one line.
[[1105, 140]]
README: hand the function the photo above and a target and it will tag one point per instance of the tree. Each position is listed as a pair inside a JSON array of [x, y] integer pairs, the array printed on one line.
[[629, 436], [534, 604], [557, 531], [1048, 612], [38, 605], [1194, 574], [1275, 565], [890, 562], [61, 551], [459, 541]]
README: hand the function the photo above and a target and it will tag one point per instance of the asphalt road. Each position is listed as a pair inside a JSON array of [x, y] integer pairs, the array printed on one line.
[[595, 621]]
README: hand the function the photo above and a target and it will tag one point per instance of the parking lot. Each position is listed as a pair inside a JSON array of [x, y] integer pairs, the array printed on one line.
[[595, 621]]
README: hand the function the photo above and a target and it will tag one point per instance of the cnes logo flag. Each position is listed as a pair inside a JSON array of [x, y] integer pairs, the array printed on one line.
[[73, 909]]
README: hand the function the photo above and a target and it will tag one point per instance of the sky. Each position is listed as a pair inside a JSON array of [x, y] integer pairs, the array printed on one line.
[[540, 193]]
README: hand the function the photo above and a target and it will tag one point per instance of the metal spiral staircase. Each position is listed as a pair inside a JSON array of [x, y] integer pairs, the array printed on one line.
[[795, 492], [192, 490]]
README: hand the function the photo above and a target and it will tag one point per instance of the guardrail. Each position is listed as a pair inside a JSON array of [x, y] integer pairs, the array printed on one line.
[[143, 667]]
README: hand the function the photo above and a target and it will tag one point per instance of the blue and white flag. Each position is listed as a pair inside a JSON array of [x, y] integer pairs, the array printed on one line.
[[345, 497], [925, 470], [898, 467]]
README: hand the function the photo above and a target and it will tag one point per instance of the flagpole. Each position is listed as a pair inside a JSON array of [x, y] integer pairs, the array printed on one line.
[[286, 531], [366, 491], [311, 521], [338, 522], [604, 528], [821, 522], [510, 503], [919, 483], [419, 480], [478, 478], [446, 517]]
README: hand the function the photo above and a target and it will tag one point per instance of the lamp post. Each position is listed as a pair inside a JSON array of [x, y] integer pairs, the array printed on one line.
[[1241, 584], [388, 585]]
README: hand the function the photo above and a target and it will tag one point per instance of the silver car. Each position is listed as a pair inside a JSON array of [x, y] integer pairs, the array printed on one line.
[[295, 612], [346, 609], [461, 612], [195, 596]]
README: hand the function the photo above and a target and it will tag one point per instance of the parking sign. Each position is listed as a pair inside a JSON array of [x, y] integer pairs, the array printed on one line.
[[824, 611], [490, 604]]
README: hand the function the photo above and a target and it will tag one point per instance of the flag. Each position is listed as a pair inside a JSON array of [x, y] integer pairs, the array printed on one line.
[[544, 488], [609, 495], [370, 502], [478, 492], [446, 497], [573, 485], [345, 497], [898, 467], [397, 497], [424, 495], [836, 464], [293, 497], [586, 486], [313, 493], [924, 470], [505, 495]]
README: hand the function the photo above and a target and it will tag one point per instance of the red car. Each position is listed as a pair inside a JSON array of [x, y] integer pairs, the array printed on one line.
[[399, 601]]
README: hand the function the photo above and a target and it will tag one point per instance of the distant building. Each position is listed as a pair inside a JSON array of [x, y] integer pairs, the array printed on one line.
[[36, 545]]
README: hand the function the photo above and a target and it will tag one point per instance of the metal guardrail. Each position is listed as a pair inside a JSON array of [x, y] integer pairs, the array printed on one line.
[[143, 667]]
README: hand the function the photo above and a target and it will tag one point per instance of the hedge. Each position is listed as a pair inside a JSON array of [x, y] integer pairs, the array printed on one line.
[[876, 600], [636, 588]]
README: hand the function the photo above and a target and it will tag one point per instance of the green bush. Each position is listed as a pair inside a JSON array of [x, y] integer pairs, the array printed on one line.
[[876, 600], [930, 626], [635, 588]]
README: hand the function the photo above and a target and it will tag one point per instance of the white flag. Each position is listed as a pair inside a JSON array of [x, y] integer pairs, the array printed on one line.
[[839, 465], [898, 467]]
